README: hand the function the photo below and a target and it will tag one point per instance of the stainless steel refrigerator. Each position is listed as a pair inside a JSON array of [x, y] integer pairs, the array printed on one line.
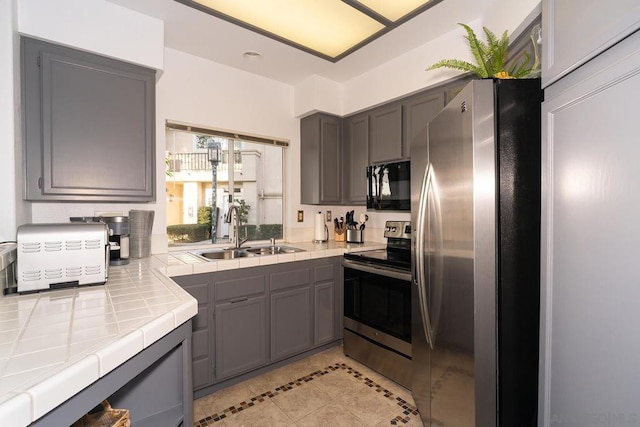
[[475, 190]]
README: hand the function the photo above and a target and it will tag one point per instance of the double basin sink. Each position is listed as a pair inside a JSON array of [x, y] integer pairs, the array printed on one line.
[[234, 253]]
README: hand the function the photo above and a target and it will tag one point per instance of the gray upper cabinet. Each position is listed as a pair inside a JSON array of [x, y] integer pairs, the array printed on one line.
[[321, 159], [576, 32], [356, 159], [88, 126], [385, 139], [418, 111], [453, 88]]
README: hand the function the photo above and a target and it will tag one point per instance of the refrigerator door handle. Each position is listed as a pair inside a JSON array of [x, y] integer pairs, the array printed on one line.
[[435, 270], [419, 250]]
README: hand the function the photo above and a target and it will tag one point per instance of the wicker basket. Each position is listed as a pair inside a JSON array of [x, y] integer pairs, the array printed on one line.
[[105, 416]]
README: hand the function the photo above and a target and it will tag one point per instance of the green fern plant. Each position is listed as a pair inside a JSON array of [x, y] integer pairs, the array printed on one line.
[[491, 57]]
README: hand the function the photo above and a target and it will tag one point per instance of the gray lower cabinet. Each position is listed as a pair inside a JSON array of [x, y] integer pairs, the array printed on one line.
[[291, 310], [321, 159], [89, 126], [240, 315], [198, 286], [324, 308], [155, 385], [252, 317], [327, 302], [241, 336]]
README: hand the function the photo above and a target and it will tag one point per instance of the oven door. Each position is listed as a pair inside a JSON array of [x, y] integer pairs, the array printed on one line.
[[377, 304]]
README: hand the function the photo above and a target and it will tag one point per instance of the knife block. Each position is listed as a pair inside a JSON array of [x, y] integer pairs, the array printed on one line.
[[340, 237]]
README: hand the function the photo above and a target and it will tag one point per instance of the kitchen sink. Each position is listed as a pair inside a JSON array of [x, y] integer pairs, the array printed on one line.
[[233, 253], [221, 254], [273, 250]]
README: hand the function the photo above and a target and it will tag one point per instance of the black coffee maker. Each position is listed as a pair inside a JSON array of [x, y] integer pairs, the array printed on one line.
[[118, 239]]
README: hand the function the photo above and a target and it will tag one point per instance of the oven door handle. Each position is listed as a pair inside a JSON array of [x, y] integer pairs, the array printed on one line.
[[382, 271]]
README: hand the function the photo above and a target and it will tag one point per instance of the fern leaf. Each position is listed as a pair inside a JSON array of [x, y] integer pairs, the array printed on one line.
[[478, 49], [491, 37], [456, 64], [523, 69], [498, 55]]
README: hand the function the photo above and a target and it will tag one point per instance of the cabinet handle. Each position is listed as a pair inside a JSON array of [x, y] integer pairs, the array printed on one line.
[[233, 301]]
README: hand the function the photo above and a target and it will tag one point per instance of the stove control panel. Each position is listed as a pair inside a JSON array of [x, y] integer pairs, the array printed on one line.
[[398, 230]]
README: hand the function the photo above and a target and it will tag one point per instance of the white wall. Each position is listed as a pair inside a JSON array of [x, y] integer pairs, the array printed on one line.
[[406, 73], [14, 211], [201, 92], [104, 28], [317, 93], [96, 26], [198, 91]]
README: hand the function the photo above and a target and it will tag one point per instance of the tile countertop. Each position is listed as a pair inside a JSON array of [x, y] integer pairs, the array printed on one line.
[[182, 263], [54, 344]]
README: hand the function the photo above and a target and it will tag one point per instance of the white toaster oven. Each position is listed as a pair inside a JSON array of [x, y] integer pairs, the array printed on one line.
[[52, 256]]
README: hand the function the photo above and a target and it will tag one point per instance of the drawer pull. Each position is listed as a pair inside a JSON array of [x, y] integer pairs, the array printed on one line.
[[233, 301]]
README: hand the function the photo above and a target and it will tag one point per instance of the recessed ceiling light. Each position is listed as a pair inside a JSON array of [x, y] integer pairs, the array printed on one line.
[[251, 55]]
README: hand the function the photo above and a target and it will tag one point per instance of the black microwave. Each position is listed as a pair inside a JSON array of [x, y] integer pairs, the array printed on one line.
[[389, 186]]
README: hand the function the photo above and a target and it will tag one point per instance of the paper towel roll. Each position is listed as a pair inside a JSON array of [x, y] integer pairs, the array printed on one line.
[[319, 228]]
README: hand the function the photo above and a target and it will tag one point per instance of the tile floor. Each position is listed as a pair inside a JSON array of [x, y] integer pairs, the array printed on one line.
[[326, 389]]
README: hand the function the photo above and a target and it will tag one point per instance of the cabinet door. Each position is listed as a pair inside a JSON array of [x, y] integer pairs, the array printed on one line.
[[290, 322], [590, 211], [356, 159], [321, 159], [574, 32], [89, 130], [201, 352], [386, 134], [418, 111], [290, 309], [241, 336], [330, 160], [327, 301], [324, 313]]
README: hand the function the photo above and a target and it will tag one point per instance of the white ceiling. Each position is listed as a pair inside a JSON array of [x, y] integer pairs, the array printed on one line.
[[206, 36]]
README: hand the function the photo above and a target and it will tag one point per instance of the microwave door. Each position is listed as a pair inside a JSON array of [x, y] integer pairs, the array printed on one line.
[[373, 196]]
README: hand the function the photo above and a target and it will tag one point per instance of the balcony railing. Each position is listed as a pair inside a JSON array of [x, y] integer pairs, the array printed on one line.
[[184, 162]]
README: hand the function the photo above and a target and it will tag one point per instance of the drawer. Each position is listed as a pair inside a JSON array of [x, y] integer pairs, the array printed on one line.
[[324, 273], [200, 292], [234, 288], [289, 279]]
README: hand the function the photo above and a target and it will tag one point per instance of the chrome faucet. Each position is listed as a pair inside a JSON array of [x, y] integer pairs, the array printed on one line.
[[236, 225]]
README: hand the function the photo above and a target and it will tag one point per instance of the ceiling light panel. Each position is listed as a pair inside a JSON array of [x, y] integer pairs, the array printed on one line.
[[329, 27], [393, 9]]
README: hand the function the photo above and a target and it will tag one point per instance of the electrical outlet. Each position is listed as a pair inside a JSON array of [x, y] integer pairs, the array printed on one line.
[[328, 216], [300, 216]]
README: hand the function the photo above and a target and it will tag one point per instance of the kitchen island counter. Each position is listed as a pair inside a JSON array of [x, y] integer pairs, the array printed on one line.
[[55, 344]]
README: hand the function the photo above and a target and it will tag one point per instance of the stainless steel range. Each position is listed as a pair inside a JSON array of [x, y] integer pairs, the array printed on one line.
[[377, 305]]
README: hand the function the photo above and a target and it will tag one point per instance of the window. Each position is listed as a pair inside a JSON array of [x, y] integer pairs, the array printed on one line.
[[203, 166]]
